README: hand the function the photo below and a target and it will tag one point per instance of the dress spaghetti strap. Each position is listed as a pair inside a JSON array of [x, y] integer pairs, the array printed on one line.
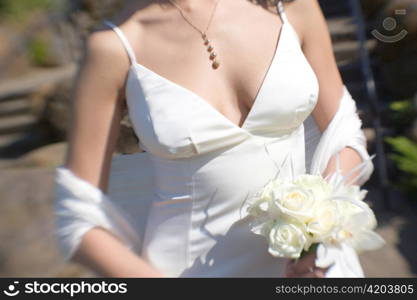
[[281, 11], [124, 41]]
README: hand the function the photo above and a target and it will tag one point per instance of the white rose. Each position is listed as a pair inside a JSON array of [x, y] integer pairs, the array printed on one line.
[[316, 184], [326, 219], [287, 239], [294, 201], [348, 208]]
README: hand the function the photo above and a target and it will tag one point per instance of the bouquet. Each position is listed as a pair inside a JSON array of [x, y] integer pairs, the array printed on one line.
[[297, 213]]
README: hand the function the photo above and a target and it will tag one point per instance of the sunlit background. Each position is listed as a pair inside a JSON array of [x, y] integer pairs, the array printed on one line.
[[375, 43]]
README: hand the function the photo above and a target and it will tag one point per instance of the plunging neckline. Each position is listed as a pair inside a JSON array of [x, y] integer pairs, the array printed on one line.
[[204, 102]]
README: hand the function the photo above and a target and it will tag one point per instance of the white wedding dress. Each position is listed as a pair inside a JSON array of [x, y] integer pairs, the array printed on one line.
[[184, 213]]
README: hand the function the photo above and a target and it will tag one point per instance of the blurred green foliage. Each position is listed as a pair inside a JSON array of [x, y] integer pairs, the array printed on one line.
[[39, 52], [18, 10], [406, 160], [402, 113]]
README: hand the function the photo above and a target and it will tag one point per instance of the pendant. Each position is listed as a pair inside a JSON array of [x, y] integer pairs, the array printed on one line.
[[213, 55]]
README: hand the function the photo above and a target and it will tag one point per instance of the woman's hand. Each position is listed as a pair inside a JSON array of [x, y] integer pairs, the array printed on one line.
[[304, 267]]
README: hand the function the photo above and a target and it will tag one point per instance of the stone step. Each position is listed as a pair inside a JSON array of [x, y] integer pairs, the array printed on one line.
[[35, 80], [342, 28], [15, 124], [16, 106], [8, 139], [348, 51]]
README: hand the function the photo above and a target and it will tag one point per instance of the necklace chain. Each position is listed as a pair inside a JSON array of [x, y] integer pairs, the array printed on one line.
[[210, 48], [189, 22]]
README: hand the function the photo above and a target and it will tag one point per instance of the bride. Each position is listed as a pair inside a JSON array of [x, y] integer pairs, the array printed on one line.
[[220, 93]]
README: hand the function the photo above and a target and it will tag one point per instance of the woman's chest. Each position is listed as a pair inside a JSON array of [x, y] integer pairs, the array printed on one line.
[[180, 107], [172, 121]]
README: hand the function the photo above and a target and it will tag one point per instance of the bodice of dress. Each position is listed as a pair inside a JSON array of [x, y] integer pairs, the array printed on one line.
[[287, 96], [205, 166]]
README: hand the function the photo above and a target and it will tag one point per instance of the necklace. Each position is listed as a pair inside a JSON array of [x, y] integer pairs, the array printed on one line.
[[213, 55]]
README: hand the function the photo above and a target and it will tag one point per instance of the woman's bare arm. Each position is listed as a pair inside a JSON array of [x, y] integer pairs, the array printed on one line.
[[97, 105], [318, 49], [308, 20]]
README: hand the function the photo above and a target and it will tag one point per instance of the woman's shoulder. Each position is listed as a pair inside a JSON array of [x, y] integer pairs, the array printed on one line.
[[303, 14], [103, 47], [102, 42], [302, 9], [131, 20], [104, 55]]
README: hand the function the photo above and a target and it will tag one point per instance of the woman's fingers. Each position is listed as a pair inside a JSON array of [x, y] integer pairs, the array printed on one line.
[[304, 267], [305, 263], [316, 273]]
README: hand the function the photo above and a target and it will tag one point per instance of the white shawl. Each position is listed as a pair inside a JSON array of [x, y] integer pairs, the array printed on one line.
[[80, 206]]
